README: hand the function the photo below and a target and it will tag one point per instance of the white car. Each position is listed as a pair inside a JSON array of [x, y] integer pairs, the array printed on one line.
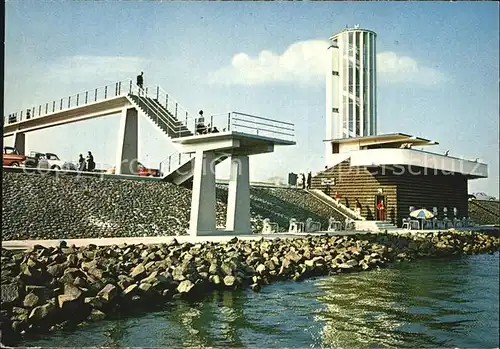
[[481, 196], [51, 161]]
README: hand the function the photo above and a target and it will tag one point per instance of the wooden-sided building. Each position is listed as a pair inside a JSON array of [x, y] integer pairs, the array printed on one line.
[[386, 171]]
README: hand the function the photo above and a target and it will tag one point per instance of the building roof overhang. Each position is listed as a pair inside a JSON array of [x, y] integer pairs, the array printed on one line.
[[384, 139]]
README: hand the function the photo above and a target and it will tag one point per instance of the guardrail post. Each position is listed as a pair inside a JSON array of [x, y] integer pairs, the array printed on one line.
[[166, 102], [60, 107], [86, 97], [77, 99], [46, 108], [21, 116], [53, 106], [130, 88], [105, 92], [169, 164], [69, 101], [39, 111], [158, 93], [211, 121], [228, 121], [186, 118], [175, 111], [119, 88], [116, 89], [95, 96], [180, 158]]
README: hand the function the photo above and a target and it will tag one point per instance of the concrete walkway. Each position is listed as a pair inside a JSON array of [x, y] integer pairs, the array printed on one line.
[[150, 240]]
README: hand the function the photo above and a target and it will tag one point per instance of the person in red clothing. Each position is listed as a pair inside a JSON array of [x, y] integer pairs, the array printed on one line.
[[381, 211], [337, 197]]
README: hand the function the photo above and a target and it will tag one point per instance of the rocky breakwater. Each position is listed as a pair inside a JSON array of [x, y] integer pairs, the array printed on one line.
[[47, 288]]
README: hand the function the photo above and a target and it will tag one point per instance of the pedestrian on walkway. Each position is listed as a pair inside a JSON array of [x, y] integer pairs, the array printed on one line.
[[81, 163], [140, 80], [90, 162]]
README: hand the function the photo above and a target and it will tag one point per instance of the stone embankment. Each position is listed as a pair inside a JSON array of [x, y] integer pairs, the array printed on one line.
[[36, 206], [47, 288]]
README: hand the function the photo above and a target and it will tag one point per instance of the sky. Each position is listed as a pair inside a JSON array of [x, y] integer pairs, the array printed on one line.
[[437, 62]]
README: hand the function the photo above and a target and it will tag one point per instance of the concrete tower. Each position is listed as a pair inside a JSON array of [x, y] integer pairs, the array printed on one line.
[[351, 97]]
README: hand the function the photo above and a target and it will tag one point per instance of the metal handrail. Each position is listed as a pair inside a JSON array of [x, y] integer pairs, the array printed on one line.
[[159, 113], [175, 155], [175, 108], [262, 118], [48, 108], [261, 123]]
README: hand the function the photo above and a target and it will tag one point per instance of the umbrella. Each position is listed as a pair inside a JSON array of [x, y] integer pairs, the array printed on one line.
[[421, 214]]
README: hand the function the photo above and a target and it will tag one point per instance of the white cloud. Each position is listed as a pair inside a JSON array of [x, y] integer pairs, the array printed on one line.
[[304, 62], [392, 68]]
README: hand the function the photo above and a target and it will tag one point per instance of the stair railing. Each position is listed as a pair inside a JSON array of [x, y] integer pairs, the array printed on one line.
[[173, 162], [173, 107], [144, 95]]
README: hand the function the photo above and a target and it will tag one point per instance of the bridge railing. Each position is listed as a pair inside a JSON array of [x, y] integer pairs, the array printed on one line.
[[173, 162], [98, 94], [252, 124]]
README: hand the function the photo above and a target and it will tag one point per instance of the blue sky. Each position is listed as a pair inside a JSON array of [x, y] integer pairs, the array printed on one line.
[[437, 70]]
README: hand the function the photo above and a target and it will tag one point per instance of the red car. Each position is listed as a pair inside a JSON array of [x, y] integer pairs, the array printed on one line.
[[141, 171]]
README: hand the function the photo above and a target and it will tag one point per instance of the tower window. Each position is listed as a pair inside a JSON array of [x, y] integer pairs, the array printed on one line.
[[335, 110], [335, 73]]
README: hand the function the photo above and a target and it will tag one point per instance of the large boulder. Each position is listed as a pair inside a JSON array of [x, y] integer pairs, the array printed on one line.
[[11, 293], [185, 286]]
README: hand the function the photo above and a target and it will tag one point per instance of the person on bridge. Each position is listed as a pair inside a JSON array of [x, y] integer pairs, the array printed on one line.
[[140, 80], [81, 163], [309, 180], [200, 124], [90, 162]]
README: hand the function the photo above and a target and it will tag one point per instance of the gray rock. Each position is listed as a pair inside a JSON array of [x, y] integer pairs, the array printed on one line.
[[42, 312], [96, 315], [108, 293], [185, 286], [229, 280], [138, 272], [11, 293], [31, 300]]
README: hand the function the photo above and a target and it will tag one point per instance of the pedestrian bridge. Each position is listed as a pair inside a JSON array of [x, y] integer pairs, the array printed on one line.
[[153, 103], [199, 146]]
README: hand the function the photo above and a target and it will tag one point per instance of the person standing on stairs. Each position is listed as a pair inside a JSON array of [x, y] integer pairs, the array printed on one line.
[[140, 80]]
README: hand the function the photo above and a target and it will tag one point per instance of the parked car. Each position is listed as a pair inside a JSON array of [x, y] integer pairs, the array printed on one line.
[[481, 196], [48, 161], [141, 171], [12, 157]]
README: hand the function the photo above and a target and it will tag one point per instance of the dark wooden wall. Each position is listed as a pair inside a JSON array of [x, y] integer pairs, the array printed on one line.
[[360, 183], [432, 190], [401, 189]]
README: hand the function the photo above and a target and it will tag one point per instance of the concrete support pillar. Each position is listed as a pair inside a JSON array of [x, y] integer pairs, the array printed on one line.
[[20, 142], [203, 195], [127, 147], [238, 200]]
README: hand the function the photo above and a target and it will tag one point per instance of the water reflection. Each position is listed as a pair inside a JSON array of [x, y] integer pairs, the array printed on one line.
[[434, 303]]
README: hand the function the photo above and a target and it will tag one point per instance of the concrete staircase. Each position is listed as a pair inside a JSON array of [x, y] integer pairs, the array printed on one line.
[[161, 117], [344, 210], [178, 168], [374, 226]]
